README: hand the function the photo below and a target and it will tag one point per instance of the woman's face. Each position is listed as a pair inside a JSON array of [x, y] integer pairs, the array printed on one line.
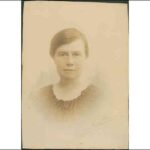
[[69, 59]]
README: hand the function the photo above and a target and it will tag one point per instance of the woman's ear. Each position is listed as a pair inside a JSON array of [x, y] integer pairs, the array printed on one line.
[[53, 60]]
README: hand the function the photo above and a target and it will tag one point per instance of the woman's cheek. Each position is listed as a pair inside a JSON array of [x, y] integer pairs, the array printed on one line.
[[80, 62], [59, 62]]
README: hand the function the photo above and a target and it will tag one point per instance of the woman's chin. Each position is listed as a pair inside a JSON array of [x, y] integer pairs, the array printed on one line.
[[70, 77]]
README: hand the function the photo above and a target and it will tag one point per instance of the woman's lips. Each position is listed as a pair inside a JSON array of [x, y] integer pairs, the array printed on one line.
[[69, 70]]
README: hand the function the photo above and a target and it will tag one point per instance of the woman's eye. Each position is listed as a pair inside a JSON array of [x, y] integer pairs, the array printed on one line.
[[62, 54], [76, 54]]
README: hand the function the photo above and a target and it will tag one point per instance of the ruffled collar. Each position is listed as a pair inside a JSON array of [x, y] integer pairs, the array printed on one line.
[[72, 96]]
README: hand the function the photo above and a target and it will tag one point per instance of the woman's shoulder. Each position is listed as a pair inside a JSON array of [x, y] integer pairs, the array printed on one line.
[[46, 89], [41, 93], [92, 90]]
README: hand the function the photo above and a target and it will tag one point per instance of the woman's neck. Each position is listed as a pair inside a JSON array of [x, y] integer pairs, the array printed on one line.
[[69, 89], [69, 83]]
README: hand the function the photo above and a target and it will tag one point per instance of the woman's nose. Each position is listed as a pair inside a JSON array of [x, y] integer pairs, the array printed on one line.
[[70, 60]]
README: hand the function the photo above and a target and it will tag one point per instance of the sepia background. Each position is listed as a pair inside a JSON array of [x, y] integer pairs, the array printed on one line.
[[106, 28]]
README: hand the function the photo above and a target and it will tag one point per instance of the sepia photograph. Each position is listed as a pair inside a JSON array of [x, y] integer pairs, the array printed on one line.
[[75, 75]]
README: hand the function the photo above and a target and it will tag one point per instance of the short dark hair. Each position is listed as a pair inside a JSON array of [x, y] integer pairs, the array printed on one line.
[[66, 36]]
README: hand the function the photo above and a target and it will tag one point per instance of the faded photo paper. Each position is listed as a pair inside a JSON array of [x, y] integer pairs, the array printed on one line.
[[75, 75]]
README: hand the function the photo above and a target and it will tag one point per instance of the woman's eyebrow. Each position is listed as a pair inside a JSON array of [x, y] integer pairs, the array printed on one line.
[[62, 50], [76, 51]]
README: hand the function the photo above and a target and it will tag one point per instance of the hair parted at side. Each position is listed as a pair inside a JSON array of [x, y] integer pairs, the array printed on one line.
[[67, 36]]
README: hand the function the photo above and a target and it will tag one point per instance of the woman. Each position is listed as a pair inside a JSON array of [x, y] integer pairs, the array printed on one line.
[[70, 113], [69, 50]]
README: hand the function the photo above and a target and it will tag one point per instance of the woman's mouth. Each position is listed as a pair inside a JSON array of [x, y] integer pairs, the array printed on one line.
[[69, 70]]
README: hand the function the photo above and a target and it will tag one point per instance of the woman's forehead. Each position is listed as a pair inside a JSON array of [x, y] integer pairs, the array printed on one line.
[[77, 45]]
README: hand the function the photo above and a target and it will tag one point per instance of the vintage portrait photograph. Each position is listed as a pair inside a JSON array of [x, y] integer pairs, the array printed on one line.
[[74, 75]]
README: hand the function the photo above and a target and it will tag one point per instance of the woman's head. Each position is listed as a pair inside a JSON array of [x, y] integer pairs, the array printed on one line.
[[67, 36], [69, 49]]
